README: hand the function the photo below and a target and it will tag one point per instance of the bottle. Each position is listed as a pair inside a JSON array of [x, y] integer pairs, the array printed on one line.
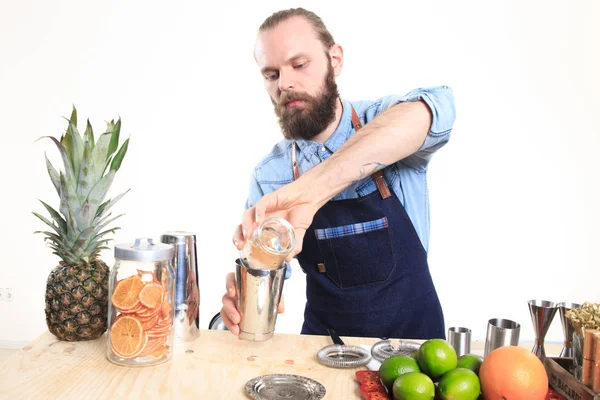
[[271, 242], [140, 306]]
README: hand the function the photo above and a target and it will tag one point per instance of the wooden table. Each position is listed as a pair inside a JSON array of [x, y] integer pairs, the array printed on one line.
[[216, 366]]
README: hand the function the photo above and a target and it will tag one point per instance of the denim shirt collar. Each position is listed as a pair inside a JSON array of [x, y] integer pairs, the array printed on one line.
[[337, 138]]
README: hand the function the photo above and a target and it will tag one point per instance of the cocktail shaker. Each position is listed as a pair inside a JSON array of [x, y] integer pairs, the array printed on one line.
[[186, 321], [260, 273]]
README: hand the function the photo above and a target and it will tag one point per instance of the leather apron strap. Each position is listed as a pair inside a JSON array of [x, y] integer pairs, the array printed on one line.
[[377, 176]]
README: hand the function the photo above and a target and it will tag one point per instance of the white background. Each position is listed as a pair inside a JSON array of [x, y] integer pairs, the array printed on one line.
[[514, 195]]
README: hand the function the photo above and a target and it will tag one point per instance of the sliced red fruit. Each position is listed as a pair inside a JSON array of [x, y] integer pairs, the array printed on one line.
[[377, 396], [372, 386], [367, 375]]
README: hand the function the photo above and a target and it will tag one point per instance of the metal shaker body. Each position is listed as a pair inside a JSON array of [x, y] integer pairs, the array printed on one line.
[[186, 322], [259, 292]]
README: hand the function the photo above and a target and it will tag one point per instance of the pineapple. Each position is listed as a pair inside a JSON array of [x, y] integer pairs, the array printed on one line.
[[77, 289]]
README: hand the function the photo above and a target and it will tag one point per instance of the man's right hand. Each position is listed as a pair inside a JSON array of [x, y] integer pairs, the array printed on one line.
[[229, 312]]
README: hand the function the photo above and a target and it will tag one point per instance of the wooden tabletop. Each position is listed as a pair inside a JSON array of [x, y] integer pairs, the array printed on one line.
[[216, 366]]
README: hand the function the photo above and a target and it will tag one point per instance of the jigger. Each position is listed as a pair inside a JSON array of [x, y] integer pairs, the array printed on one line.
[[542, 312], [567, 350]]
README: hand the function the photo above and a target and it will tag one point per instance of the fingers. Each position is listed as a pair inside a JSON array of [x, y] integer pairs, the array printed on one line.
[[229, 313], [268, 202], [299, 233], [238, 238], [248, 223], [230, 285], [281, 306]]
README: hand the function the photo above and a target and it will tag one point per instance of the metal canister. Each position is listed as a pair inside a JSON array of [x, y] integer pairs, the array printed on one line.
[[186, 323], [260, 274]]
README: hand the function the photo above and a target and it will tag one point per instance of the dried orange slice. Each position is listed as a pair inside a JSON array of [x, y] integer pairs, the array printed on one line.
[[151, 295], [160, 353], [148, 312], [153, 345], [148, 323], [127, 338], [127, 291], [165, 310]]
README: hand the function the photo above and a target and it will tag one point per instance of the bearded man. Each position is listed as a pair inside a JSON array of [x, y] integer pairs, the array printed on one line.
[[350, 176]]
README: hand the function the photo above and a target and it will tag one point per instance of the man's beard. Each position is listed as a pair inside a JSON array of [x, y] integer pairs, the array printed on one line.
[[313, 116]]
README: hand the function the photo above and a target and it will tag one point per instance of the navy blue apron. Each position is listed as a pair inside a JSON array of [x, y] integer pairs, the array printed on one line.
[[366, 269]]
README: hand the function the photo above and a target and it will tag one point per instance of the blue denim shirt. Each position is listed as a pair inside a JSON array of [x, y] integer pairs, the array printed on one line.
[[407, 178]]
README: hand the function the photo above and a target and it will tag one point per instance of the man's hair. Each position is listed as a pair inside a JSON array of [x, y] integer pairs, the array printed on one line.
[[280, 16]]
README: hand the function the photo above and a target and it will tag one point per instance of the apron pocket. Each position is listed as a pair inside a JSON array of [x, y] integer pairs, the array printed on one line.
[[357, 254]]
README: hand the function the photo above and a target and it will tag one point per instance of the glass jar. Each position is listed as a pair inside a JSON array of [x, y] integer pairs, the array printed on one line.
[[140, 307], [271, 242]]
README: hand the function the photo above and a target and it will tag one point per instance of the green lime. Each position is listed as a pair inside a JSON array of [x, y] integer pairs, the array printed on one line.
[[394, 366], [459, 384], [413, 386], [470, 361], [436, 357], [415, 354]]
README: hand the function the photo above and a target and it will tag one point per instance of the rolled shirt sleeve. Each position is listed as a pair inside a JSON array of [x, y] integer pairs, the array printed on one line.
[[440, 100]]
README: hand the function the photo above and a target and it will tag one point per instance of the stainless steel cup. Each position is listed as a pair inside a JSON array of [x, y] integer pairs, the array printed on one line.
[[460, 339], [501, 332], [186, 323], [259, 293]]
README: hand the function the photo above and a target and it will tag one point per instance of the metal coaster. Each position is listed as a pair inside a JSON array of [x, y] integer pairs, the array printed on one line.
[[343, 356], [385, 349], [283, 386]]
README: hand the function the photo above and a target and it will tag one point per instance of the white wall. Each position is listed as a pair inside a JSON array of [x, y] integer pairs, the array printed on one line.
[[514, 196]]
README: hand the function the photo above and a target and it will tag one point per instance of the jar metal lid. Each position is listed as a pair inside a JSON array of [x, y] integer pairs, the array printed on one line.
[[140, 251]]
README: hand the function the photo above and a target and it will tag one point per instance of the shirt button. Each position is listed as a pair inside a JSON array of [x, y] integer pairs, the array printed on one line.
[[323, 149]]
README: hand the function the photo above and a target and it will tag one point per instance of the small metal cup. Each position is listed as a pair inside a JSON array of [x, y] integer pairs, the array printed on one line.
[[501, 332], [259, 293], [460, 339]]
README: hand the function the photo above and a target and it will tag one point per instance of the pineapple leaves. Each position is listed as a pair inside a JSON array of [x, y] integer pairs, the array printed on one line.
[[90, 165], [65, 157], [74, 116], [53, 175], [77, 147], [88, 135], [47, 222], [87, 175], [62, 224], [99, 153], [116, 162], [104, 207], [114, 140]]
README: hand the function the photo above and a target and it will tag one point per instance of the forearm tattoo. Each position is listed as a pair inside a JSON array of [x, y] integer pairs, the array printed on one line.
[[370, 168]]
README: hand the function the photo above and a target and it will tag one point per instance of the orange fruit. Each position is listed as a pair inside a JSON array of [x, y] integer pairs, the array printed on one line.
[[151, 295], [126, 293], [127, 338], [512, 372]]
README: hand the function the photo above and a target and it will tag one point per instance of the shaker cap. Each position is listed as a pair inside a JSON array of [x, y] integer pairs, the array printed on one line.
[[140, 251]]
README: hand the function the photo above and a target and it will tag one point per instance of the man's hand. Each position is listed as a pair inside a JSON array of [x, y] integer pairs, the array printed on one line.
[[229, 312], [296, 202]]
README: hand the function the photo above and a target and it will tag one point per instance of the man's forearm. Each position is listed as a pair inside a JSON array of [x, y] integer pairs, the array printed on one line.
[[391, 136]]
